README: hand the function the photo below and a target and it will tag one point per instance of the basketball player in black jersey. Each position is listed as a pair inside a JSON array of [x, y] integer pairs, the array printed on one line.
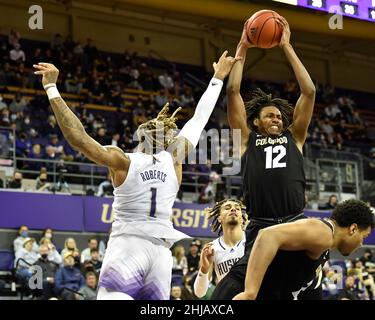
[[272, 138], [310, 240]]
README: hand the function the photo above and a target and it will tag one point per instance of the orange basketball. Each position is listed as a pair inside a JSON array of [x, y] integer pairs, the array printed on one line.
[[263, 30]]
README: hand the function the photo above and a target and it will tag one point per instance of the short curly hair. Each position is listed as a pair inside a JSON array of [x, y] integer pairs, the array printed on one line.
[[354, 211], [261, 100]]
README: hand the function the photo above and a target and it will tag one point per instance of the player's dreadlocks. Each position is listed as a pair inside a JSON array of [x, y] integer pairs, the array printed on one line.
[[260, 100], [214, 214], [159, 132]]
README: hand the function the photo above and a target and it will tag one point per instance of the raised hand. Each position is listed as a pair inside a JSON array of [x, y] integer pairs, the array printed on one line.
[[48, 71], [245, 41], [224, 65], [207, 257], [285, 38]]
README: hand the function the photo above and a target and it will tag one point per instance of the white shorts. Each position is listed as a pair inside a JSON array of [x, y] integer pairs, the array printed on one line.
[[139, 267]]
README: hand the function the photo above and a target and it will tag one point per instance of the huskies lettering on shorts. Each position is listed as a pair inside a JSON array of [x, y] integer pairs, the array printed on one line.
[[153, 175]]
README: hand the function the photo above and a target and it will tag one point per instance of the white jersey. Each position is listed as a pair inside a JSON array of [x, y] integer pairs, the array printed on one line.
[[225, 257], [143, 202]]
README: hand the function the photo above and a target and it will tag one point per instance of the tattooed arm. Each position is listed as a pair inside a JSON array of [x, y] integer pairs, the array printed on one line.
[[73, 129]]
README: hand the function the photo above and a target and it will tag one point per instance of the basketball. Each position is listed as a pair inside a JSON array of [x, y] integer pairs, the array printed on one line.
[[263, 30]]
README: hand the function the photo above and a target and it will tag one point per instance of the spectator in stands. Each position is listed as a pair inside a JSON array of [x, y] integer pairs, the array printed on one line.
[[51, 156], [105, 188], [161, 99], [368, 262], [69, 277], [94, 264], [116, 140], [350, 291], [187, 97], [42, 184], [51, 127], [48, 232], [180, 265], [207, 194], [56, 144], [57, 42], [193, 257], [71, 247], [72, 84], [90, 51], [4, 118], [166, 81], [17, 55], [366, 280], [23, 233], [86, 253], [49, 268], [101, 136], [13, 37], [18, 104], [53, 254], [346, 107], [3, 104], [23, 145], [36, 153], [331, 204], [24, 259], [176, 293], [88, 291], [328, 130], [332, 112], [16, 181]]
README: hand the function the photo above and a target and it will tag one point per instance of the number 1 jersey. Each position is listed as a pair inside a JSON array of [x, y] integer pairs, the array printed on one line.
[[143, 203], [273, 176]]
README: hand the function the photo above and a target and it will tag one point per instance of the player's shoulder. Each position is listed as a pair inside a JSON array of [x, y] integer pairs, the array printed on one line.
[[216, 244]]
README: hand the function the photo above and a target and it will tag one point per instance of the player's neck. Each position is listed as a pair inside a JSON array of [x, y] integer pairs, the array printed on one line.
[[336, 235], [232, 235]]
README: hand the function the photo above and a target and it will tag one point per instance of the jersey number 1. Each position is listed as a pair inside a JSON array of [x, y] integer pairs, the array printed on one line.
[[153, 202], [276, 162]]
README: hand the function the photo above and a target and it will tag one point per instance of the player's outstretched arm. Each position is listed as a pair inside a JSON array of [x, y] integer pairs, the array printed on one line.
[[235, 105], [202, 280], [305, 105], [310, 235], [192, 130], [72, 128]]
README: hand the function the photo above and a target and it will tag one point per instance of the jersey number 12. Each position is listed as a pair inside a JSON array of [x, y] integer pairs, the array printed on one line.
[[271, 162]]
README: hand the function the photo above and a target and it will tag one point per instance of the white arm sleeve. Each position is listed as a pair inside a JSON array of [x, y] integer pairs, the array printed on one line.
[[201, 284], [192, 130]]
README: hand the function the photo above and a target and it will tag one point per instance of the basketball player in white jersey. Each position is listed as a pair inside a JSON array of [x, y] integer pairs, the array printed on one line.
[[138, 262], [228, 217]]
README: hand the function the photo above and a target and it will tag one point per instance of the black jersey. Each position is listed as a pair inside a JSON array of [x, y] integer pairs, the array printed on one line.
[[273, 176], [303, 272]]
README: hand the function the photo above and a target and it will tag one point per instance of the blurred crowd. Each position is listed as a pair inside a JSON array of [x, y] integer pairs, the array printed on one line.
[[68, 273]]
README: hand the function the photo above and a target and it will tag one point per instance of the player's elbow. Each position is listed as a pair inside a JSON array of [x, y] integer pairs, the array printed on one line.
[[268, 236], [310, 91]]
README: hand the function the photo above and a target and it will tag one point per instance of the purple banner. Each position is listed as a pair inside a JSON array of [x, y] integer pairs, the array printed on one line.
[[92, 214], [39, 211]]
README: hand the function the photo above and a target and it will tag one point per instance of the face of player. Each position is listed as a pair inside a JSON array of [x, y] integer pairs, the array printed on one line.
[[270, 122], [231, 214], [353, 239]]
